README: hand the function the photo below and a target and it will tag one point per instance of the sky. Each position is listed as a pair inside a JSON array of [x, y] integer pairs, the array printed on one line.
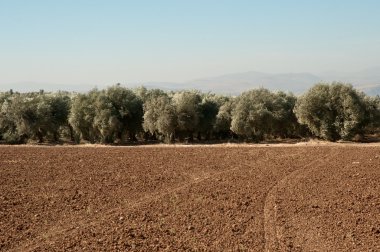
[[105, 42]]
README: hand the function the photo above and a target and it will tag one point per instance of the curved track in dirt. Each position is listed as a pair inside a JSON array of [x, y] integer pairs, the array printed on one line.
[[274, 235], [332, 205], [193, 198]]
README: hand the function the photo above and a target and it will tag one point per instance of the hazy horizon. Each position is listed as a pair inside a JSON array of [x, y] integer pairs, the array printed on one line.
[[367, 80], [102, 43]]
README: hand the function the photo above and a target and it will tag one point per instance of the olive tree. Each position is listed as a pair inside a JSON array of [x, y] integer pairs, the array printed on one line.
[[59, 109], [371, 124], [187, 109], [222, 127], [82, 115], [160, 115], [208, 110], [8, 127], [118, 112], [285, 122], [33, 116], [252, 116], [332, 111]]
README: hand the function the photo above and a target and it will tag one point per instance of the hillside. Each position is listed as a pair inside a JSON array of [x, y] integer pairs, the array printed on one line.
[[367, 80]]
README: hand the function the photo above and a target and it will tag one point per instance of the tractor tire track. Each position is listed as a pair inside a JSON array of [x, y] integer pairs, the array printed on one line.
[[272, 230]]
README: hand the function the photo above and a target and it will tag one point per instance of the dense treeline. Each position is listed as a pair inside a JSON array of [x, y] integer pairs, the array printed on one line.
[[117, 115]]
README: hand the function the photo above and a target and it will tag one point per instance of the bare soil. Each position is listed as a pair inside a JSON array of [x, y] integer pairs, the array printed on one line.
[[299, 198]]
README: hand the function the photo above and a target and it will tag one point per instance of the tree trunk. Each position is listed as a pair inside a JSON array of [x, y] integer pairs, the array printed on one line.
[[208, 136], [72, 138], [172, 138], [199, 136], [56, 137], [40, 136], [191, 137], [132, 137]]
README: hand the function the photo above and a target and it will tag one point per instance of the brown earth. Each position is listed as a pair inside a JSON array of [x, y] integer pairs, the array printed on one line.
[[300, 198]]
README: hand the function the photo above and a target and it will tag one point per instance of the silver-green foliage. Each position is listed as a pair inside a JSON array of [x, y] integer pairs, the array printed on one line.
[[259, 112], [159, 114], [224, 117], [107, 115], [33, 116], [332, 111], [187, 105], [208, 110], [82, 115]]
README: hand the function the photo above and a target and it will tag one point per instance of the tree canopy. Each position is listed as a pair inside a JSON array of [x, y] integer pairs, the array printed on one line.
[[330, 111]]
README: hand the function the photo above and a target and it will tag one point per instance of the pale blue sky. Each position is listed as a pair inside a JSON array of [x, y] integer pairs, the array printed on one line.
[[104, 42]]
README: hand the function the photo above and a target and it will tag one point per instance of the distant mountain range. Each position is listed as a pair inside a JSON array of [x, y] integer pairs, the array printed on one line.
[[367, 81]]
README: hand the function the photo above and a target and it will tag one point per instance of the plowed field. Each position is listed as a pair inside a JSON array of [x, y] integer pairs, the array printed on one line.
[[309, 198]]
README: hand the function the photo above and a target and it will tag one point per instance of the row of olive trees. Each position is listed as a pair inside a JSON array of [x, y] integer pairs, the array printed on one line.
[[117, 114], [34, 116]]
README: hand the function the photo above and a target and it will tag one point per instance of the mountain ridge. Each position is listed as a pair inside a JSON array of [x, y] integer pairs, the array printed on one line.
[[367, 80]]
